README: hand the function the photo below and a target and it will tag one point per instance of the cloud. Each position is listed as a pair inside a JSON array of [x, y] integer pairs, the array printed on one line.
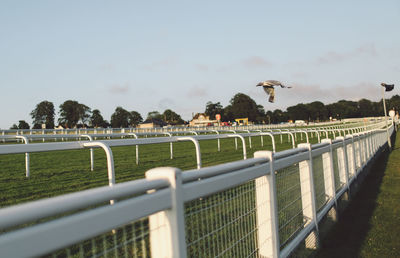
[[332, 57], [301, 93], [255, 62], [166, 62], [196, 92], [202, 67], [166, 103], [119, 89], [107, 68], [252, 62]]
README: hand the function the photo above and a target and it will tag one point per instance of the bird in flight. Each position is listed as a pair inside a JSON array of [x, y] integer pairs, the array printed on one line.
[[269, 88]]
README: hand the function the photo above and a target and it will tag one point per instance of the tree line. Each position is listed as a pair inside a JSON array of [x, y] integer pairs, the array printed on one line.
[[242, 106], [74, 114]]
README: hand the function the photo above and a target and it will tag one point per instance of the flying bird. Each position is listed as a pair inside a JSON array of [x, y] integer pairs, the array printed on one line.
[[269, 88]]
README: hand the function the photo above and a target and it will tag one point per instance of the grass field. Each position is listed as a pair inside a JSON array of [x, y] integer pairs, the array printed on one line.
[[59, 172], [370, 225], [220, 224]]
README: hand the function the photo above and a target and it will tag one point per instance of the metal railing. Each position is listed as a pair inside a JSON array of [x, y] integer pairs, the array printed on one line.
[[259, 207]]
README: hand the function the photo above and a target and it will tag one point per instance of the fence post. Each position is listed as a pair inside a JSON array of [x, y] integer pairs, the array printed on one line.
[[267, 210], [358, 152], [351, 154], [371, 147], [329, 176], [167, 228], [369, 143], [342, 163], [308, 196], [373, 142]]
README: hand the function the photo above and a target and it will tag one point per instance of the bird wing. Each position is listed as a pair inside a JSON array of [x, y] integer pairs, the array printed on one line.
[[269, 90]]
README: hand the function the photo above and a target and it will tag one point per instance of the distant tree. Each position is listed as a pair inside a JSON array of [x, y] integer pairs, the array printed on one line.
[[394, 103], [120, 118], [279, 116], [14, 127], [213, 108], [97, 119], [243, 106], [365, 108], [269, 117], [154, 115], [23, 125], [172, 118], [227, 114], [43, 114], [135, 118], [298, 112], [71, 112], [317, 111], [260, 118]]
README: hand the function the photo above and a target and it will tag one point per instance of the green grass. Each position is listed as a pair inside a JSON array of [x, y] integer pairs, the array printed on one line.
[[224, 222], [59, 172], [370, 225]]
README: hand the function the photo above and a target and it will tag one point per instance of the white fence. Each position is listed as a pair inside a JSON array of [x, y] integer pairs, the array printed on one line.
[[260, 207], [329, 125], [221, 134]]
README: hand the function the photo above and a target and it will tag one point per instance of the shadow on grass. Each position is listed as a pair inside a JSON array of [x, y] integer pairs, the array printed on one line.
[[348, 235]]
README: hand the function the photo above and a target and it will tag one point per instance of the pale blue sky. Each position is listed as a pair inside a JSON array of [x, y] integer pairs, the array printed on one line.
[[153, 55]]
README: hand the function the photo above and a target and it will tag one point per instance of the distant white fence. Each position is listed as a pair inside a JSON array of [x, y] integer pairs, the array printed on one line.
[[221, 134], [329, 125], [260, 207]]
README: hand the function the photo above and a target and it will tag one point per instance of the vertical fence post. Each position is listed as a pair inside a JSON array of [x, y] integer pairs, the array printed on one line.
[[329, 176], [361, 148], [351, 154], [342, 163], [358, 153], [267, 210], [371, 151], [365, 147], [369, 144], [373, 143], [167, 228], [308, 196]]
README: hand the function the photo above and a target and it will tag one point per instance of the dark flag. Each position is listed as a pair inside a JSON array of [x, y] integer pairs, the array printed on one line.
[[388, 87]]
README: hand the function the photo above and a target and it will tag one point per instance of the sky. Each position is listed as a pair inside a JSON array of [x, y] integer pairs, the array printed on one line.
[[156, 55]]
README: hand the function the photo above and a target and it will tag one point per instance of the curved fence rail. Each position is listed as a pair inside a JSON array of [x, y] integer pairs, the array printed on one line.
[[264, 206]]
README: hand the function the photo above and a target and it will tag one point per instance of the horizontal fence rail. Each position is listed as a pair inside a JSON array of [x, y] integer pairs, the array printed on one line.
[[265, 206], [220, 134]]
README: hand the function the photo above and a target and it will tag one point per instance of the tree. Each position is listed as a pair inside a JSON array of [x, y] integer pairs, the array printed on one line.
[[14, 127], [172, 118], [71, 112], [243, 106], [317, 111], [298, 112], [43, 114], [269, 117], [97, 120], [120, 118], [213, 108], [23, 125], [394, 103], [365, 108], [135, 118], [279, 116], [227, 114], [261, 114], [154, 115]]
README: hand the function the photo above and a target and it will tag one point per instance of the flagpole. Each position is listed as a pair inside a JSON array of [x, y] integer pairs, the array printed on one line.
[[384, 109]]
